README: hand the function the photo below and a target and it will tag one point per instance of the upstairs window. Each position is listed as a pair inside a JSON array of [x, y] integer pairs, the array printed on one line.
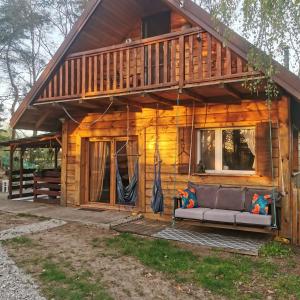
[[225, 150], [157, 24]]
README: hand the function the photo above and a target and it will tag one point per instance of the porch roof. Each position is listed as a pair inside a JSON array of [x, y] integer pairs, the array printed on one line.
[[40, 141]]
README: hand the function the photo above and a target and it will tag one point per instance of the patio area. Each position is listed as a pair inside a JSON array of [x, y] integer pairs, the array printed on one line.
[[120, 221]]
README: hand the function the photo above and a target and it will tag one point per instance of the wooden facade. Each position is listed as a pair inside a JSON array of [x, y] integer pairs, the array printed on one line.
[[161, 90], [143, 125]]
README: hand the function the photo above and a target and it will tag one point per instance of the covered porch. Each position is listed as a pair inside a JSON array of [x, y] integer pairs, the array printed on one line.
[[34, 168]]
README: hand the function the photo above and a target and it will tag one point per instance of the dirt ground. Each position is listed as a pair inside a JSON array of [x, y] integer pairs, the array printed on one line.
[[8, 221], [123, 277], [82, 249]]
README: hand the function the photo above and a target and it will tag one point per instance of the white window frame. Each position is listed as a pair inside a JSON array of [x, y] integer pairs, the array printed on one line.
[[219, 152]]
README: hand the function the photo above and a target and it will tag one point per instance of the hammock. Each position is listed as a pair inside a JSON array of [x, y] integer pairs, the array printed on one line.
[[127, 195], [157, 203]]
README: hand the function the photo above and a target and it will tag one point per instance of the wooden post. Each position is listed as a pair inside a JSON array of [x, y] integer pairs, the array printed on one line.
[[64, 162], [56, 158], [142, 172], [11, 168], [181, 61], [35, 188], [285, 173], [83, 78], [78, 171], [21, 172]]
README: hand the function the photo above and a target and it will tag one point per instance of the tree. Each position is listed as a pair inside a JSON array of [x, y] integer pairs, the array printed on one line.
[[28, 41], [270, 25], [66, 14]]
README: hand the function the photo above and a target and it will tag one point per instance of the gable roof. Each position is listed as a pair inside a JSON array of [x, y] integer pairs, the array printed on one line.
[[194, 13]]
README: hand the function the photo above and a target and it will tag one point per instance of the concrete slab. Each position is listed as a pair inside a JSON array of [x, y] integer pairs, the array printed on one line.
[[102, 219]]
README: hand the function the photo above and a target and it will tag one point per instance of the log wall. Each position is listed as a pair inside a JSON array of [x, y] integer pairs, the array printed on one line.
[[249, 113]]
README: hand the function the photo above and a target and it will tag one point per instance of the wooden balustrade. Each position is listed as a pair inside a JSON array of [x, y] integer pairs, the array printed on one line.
[[48, 183], [175, 59]]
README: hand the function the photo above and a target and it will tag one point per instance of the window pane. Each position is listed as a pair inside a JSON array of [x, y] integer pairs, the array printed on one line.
[[238, 149], [207, 149]]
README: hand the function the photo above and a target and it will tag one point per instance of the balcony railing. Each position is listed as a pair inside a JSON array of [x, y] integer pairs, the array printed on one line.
[[175, 59]]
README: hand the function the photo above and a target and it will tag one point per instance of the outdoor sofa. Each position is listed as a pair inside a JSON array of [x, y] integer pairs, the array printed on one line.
[[229, 205]]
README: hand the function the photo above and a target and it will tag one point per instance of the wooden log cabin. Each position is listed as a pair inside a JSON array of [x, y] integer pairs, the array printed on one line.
[[136, 74]]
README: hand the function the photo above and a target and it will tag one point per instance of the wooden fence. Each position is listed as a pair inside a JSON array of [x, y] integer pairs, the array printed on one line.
[[20, 184], [48, 183]]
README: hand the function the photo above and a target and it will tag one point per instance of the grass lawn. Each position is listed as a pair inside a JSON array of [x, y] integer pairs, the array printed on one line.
[[273, 274], [77, 262], [57, 279]]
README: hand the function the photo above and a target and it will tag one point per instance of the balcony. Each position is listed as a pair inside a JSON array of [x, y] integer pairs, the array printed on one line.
[[176, 60]]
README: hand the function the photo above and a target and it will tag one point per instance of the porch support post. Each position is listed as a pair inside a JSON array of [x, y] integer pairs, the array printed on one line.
[[56, 157], [21, 171], [11, 168], [64, 161], [285, 170], [78, 172]]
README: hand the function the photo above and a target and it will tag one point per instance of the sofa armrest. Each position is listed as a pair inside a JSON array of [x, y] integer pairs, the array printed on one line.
[[177, 203]]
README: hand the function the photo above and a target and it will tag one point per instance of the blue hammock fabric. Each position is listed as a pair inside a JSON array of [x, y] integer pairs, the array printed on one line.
[[127, 195], [157, 203]]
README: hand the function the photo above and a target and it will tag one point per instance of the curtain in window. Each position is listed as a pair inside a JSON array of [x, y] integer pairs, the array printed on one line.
[[249, 136], [99, 156]]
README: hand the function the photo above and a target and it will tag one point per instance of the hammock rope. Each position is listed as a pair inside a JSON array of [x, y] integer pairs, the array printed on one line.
[[127, 194], [274, 212], [192, 141], [157, 201]]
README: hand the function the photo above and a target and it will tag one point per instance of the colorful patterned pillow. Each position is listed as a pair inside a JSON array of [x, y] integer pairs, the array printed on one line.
[[260, 204], [188, 198]]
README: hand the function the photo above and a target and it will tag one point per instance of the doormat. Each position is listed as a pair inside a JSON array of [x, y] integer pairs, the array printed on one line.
[[92, 209], [228, 243]]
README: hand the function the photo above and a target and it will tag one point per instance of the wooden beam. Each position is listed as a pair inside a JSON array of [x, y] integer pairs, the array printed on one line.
[[85, 104], [124, 109], [159, 99], [126, 101], [231, 91], [141, 105], [42, 119], [196, 97]]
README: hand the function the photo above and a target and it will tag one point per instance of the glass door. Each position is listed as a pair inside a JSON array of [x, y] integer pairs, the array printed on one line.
[[106, 156]]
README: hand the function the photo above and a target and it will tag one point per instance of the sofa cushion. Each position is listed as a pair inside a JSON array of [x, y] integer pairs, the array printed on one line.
[[250, 194], [252, 219], [220, 215], [206, 194], [188, 198], [230, 199], [260, 204], [195, 213]]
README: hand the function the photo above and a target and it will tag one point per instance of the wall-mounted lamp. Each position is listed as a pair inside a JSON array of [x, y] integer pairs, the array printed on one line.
[[62, 120], [199, 37]]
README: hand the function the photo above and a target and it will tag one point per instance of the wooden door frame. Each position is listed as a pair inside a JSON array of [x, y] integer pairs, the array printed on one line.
[[83, 142]]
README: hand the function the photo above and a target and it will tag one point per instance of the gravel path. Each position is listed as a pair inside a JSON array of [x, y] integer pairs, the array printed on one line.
[[31, 228], [14, 284]]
